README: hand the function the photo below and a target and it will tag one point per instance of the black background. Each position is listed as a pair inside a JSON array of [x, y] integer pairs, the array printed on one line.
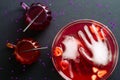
[[63, 11]]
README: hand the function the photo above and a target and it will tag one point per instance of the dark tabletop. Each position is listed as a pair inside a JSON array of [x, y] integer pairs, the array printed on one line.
[[63, 12]]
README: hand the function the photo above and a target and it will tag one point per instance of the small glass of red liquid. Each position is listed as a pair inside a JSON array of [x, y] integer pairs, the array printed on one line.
[[85, 50], [39, 12], [20, 50]]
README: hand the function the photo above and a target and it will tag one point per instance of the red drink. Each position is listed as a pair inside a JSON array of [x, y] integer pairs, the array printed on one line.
[[36, 9], [21, 50], [85, 50]]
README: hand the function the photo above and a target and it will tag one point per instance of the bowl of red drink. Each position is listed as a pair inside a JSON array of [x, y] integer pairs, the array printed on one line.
[[23, 50], [85, 50]]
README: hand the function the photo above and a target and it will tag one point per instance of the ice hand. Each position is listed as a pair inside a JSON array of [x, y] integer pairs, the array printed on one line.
[[71, 48], [99, 49]]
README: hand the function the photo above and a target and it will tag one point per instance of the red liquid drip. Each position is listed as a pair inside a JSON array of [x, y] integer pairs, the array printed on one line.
[[83, 69]]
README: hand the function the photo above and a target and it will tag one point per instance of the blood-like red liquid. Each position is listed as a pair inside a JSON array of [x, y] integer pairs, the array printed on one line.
[[42, 21], [26, 57], [83, 69]]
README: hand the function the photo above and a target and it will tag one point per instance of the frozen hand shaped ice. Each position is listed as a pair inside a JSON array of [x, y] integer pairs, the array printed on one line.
[[71, 48], [71, 52], [101, 55]]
